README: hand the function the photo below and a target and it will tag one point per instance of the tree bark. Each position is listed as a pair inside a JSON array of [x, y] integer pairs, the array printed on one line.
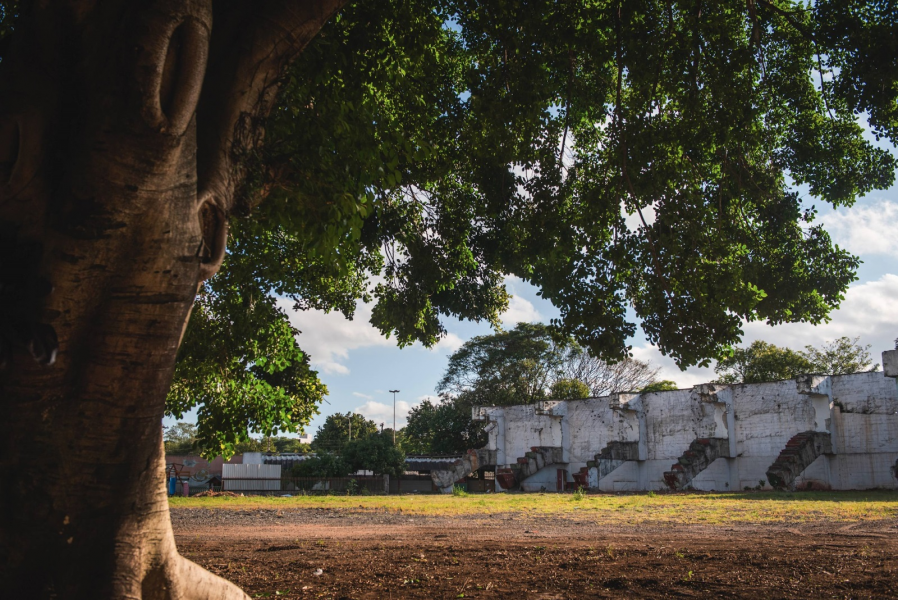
[[119, 124]]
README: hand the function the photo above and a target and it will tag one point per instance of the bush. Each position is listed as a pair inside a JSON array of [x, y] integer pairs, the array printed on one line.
[[375, 453], [323, 465]]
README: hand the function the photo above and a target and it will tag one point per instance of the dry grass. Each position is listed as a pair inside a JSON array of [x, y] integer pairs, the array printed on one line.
[[684, 508]]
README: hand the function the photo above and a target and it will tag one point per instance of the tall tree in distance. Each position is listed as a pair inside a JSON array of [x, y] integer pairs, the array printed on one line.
[[443, 427], [762, 361], [375, 453], [180, 438], [603, 378], [517, 366], [339, 429], [533, 362], [840, 357]]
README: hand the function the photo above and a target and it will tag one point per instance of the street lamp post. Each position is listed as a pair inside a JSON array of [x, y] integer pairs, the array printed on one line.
[[394, 392]]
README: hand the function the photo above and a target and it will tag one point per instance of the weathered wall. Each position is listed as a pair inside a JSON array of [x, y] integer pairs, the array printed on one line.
[[860, 412]]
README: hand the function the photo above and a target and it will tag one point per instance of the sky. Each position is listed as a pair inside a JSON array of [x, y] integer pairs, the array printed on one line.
[[360, 366]]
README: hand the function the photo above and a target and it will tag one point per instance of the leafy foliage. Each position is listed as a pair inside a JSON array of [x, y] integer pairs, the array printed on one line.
[[508, 367], [240, 364], [532, 362], [569, 389], [762, 361], [334, 434], [179, 439], [665, 385], [840, 357], [375, 453], [323, 464], [612, 154]]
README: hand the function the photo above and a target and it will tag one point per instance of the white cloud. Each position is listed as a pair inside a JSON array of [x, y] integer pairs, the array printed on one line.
[[870, 310], [362, 396], [520, 310], [865, 229], [329, 337], [448, 344], [383, 413], [669, 369], [634, 221]]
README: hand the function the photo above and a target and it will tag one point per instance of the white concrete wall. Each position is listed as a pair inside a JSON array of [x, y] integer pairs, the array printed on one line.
[[524, 429], [860, 411], [673, 421]]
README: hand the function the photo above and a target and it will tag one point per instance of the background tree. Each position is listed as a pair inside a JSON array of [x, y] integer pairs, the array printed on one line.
[[333, 434], [375, 453], [508, 367], [568, 389], [762, 361], [274, 444], [513, 138], [527, 363], [180, 439], [323, 465], [840, 357], [443, 427], [603, 378], [665, 385], [284, 445]]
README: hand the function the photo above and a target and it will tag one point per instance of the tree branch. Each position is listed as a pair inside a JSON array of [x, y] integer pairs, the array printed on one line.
[[252, 45]]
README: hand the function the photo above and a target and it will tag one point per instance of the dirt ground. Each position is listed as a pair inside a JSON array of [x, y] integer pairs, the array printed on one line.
[[375, 553]]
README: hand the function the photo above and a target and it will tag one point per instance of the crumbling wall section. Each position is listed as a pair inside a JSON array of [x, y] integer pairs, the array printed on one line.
[[753, 421]]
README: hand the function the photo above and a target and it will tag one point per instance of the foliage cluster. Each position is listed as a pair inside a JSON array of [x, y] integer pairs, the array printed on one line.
[[339, 429], [374, 452], [762, 361]]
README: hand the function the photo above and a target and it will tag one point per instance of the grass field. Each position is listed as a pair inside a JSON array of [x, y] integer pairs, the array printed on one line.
[[698, 508]]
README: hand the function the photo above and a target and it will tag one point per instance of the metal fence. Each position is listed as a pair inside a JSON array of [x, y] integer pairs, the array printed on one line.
[[251, 478]]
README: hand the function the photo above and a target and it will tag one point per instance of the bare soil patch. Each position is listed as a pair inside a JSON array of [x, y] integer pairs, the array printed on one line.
[[377, 553]]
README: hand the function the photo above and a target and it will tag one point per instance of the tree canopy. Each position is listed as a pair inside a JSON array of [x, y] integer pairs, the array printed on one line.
[[323, 464], [180, 438], [533, 362], [375, 453], [443, 427], [762, 361], [612, 154], [334, 434]]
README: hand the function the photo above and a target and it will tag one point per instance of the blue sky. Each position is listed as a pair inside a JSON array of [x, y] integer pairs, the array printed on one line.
[[359, 366]]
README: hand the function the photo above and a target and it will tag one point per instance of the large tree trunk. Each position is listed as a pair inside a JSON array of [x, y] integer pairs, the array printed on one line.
[[122, 201]]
